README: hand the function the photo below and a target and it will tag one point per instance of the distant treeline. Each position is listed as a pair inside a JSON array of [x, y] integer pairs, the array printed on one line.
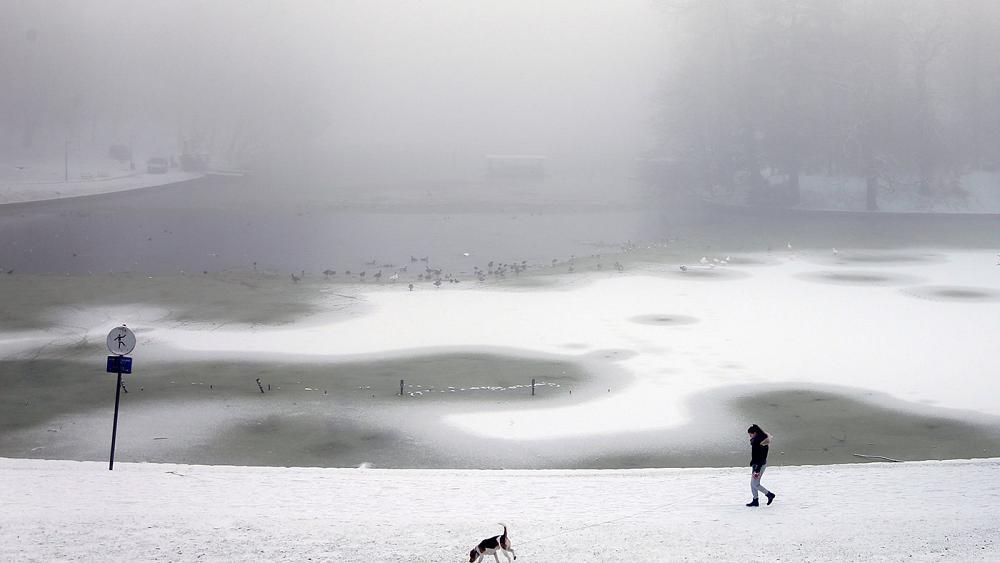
[[899, 92], [229, 78]]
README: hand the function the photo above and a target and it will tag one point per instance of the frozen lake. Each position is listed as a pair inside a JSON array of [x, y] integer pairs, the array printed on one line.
[[878, 347], [873, 351]]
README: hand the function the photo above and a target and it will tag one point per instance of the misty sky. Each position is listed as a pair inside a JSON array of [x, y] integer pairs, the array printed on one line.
[[450, 80], [508, 77]]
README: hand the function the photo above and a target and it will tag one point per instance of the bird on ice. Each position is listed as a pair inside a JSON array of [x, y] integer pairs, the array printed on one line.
[[704, 260], [836, 252]]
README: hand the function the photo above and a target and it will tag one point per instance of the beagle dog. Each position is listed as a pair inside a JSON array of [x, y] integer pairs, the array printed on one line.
[[490, 546]]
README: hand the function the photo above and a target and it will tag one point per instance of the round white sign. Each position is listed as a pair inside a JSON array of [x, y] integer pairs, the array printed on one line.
[[121, 340]]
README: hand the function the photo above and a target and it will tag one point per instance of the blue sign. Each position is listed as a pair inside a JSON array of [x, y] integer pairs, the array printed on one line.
[[119, 364]]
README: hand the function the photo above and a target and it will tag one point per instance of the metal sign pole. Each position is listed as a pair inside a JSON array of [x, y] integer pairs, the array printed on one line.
[[114, 427], [121, 341]]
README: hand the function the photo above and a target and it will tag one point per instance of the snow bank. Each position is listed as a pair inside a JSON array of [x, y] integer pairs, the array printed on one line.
[[90, 172], [79, 511], [20, 192]]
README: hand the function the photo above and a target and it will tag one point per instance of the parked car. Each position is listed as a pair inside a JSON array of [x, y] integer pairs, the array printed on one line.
[[157, 165]]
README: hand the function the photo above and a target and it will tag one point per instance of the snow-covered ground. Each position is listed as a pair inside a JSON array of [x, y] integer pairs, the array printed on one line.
[[34, 179], [919, 325], [79, 511]]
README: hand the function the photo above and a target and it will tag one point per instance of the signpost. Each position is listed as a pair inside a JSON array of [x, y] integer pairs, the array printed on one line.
[[121, 364], [121, 341]]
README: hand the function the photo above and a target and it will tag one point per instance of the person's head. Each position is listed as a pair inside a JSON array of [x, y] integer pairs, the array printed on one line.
[[754, 430]]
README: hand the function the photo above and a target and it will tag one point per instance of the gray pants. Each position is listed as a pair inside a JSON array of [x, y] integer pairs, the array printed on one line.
[[755, 483]]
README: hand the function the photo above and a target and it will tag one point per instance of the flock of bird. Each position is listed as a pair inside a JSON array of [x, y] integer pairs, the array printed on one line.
[[424, 272], [501, 269], [494, 269]]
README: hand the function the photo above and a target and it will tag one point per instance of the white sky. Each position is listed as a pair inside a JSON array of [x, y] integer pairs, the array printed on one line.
[[503, 76], [442, 79]]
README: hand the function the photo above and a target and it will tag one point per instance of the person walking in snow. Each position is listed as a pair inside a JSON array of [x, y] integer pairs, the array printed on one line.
[[759, 441]]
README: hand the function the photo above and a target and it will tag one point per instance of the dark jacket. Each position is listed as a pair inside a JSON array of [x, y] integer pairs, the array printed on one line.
[[758, 452]]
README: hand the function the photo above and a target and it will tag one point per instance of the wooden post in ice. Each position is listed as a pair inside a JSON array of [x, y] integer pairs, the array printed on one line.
[[400, 387], [532, 386]]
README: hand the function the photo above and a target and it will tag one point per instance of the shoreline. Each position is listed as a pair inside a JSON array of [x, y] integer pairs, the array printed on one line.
[[820, 211], [24, 195]]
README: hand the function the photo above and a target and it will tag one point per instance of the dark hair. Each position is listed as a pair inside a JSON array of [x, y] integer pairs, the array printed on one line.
[[755, 429]]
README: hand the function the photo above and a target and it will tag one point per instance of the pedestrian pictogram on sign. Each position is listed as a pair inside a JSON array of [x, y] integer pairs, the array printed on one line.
[[121, 340]]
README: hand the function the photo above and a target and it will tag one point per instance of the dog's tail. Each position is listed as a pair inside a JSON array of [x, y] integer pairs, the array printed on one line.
[[504, 536]]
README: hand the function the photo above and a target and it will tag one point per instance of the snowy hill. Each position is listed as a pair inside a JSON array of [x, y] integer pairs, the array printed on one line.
[[79, 511]]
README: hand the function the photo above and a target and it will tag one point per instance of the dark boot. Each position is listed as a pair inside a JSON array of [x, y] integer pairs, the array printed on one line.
[[753, 503], [770, 498]]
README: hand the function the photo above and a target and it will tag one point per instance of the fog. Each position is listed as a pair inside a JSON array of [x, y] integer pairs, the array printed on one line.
[[901, 94], [821, 105], [649, 205], [739, 94], [343, 89]]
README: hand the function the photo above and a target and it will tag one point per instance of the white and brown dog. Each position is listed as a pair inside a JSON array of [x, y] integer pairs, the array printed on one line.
[[490, 546]]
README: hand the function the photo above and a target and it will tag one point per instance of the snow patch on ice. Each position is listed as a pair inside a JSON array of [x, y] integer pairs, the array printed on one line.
[[775, 325]]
